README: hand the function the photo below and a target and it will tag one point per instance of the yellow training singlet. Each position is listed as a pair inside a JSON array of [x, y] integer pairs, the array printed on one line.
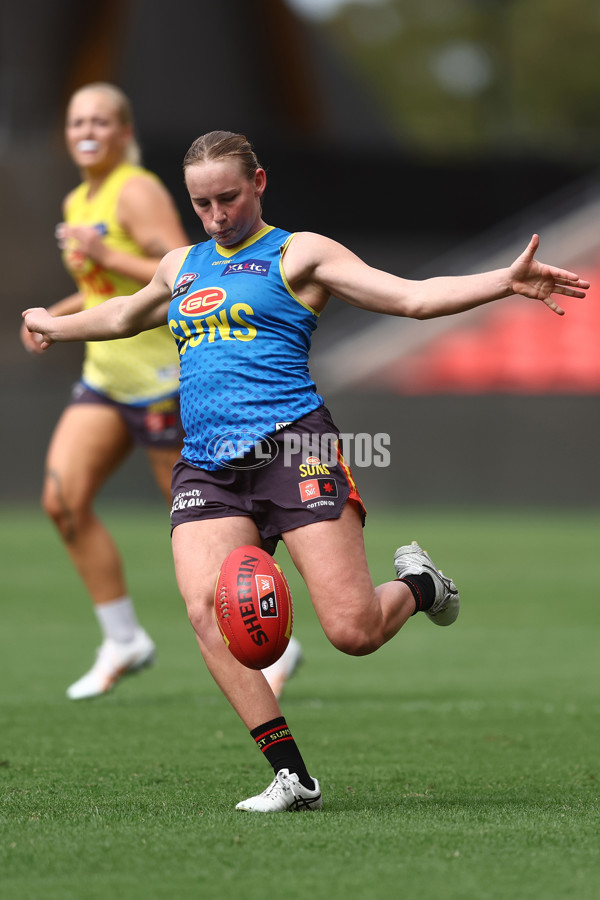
[[136, 370]]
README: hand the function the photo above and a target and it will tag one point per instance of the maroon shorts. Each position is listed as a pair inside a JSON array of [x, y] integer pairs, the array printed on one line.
[[296, 477], [156, 425]]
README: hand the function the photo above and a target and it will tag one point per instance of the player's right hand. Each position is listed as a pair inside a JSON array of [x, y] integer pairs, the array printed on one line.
[[31, 340], [36, 322]]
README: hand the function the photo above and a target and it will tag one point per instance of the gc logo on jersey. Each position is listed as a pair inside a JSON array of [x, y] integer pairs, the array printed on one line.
[[201, 302], [250, 267]]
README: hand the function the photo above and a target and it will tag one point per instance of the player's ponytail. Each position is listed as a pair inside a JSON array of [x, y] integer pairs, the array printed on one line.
[[223, 145]]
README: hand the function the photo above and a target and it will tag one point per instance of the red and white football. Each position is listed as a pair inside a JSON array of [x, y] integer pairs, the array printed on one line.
[[253, 605]]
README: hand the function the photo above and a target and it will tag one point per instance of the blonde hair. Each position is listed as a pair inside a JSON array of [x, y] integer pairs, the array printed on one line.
[[222, 145], [124, 111]]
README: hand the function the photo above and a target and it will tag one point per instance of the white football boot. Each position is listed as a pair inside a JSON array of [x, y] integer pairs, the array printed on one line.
[[113, 660], [278, 673], [284, 793], [411, 560]]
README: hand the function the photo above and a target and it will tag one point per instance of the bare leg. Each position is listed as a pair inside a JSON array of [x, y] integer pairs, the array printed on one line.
[[356, 616], [199, 549], [89, 443]]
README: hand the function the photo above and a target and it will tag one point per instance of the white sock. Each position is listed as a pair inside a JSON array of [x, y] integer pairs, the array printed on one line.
[[117, 619]]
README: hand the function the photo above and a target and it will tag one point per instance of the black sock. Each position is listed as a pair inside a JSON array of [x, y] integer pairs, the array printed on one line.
[[423, 590], [275, 740]]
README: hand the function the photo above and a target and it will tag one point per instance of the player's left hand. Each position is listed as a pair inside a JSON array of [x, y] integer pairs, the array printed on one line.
[[539, 281]]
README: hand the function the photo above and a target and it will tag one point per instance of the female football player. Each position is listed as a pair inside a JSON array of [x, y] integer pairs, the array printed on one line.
[[241, 307], [118, 223]]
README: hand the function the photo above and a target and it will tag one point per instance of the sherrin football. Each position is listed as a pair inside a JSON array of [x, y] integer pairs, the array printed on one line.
[[253, 605]]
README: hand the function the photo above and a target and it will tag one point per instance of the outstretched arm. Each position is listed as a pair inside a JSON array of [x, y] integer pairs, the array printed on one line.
[[314, 263], [526, 276], [118, 317]]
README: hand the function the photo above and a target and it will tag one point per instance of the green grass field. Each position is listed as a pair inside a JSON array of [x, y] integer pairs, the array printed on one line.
[[457, 763]]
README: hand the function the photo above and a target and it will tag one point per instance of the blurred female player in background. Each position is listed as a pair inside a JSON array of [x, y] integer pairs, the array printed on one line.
[[244, 361], [118, 224]]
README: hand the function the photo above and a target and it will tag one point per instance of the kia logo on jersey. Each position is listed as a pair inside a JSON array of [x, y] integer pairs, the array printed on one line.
[[250, 267], [202, 302]]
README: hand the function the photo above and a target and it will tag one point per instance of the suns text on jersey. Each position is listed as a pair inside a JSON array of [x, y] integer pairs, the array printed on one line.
[[223, 326]]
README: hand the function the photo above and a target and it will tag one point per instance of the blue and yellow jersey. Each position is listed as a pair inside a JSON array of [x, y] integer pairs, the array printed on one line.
[[136, 370], [244, 339]]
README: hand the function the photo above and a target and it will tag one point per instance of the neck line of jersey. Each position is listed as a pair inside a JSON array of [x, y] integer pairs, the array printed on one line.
[[100, 185], [231, 251]]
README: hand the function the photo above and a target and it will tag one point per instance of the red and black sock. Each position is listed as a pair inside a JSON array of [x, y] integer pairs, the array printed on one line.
[[274, 739], [422, 589]]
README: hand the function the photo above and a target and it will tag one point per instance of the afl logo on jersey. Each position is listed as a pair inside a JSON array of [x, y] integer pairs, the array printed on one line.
[[199, 303], [184, 284]]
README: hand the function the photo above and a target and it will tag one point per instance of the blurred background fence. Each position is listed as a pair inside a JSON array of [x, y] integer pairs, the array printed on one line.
[[430, 138]]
